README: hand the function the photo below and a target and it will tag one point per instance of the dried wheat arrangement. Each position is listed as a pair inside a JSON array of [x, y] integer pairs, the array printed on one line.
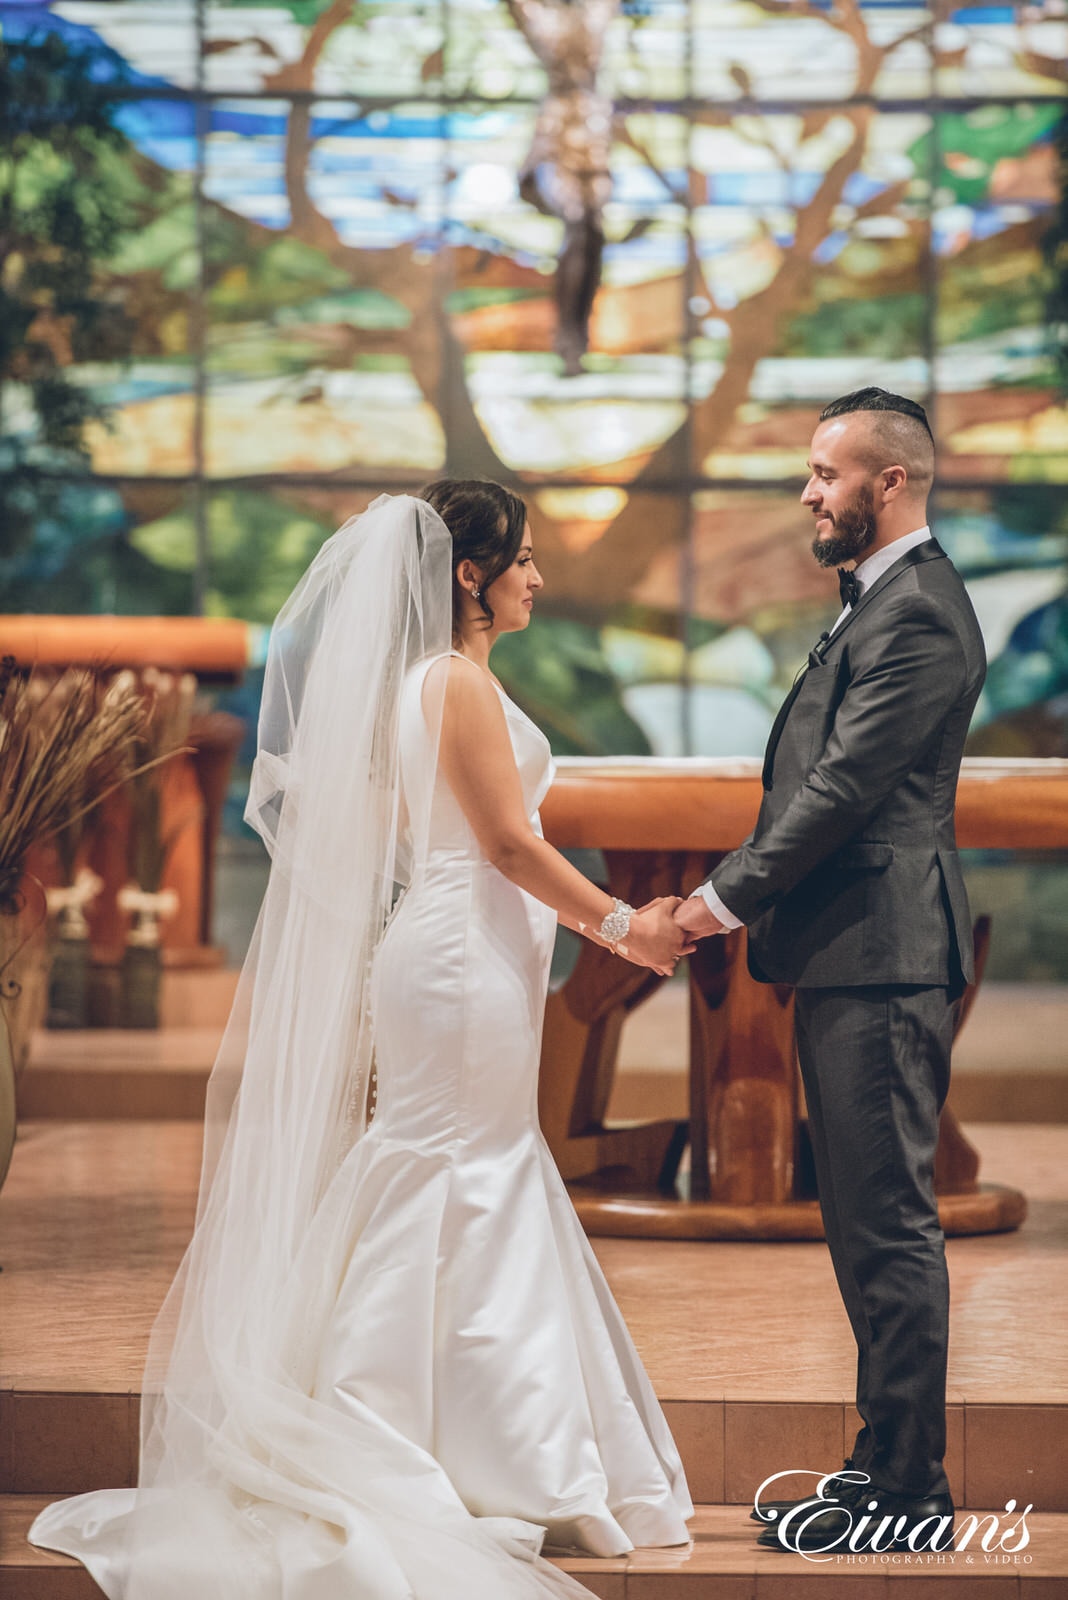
[[168, 698], [65, 742]]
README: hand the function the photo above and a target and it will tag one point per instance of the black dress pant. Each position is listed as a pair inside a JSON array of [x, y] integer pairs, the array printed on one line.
[[875, 1065]]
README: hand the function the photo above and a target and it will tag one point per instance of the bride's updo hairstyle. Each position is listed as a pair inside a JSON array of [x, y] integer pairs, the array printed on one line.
[[486, 522]]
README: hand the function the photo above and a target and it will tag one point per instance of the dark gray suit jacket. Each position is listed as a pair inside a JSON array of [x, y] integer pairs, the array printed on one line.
[[851, 876]]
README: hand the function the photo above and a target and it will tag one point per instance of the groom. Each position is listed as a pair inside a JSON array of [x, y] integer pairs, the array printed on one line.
[[851, 889]]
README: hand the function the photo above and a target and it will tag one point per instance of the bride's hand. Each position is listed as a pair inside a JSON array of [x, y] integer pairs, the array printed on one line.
[[654, 938]]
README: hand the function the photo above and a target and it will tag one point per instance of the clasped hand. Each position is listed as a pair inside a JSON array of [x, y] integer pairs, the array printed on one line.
[[665, 929], [696, 920], [654, 938]]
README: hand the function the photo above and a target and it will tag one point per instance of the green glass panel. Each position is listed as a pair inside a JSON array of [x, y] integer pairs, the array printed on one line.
[[1000, 417], [110, 245]]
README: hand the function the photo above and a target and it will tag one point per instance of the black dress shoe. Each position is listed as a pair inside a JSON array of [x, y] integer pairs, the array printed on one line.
[[872, 1522], [772, 1510]]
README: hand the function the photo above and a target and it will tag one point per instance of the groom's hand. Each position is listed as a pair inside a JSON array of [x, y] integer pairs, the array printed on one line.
[[655, 938], [695, 919], [672, 902]]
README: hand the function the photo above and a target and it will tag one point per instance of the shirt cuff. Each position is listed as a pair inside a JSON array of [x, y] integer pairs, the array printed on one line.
[[716, 906]]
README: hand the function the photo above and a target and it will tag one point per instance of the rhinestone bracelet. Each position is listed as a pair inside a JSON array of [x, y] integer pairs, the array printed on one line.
[[616, 924]]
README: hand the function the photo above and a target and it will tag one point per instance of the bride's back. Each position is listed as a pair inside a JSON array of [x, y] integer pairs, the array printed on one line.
[[435, 817]]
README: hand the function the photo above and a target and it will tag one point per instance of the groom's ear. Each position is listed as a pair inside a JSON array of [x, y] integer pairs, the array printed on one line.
[[895, 482]]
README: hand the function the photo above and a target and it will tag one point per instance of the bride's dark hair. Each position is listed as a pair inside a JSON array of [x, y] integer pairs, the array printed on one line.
[[486, 522]]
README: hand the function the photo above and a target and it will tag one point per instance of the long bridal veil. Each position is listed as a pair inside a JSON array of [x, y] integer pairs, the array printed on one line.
[[250, 1486]]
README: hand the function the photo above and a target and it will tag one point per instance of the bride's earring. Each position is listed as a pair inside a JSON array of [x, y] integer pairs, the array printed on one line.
[[476, 594]]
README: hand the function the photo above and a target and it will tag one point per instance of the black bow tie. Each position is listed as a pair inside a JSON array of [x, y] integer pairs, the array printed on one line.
[[848, 586]]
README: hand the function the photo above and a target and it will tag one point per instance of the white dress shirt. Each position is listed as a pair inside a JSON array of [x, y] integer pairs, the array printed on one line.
[[866, 573], [874, 567]]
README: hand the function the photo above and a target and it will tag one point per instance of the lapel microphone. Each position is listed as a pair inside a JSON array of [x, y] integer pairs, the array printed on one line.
[[815, 658]]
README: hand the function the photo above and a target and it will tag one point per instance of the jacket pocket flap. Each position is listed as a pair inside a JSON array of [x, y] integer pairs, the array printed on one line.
[[865, 853]]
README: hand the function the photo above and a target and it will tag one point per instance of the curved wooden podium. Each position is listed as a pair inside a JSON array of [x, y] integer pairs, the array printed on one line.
[[216, 649], [662, 825]]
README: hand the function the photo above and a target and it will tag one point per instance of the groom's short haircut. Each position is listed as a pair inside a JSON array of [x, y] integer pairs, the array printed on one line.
[[898, 434]]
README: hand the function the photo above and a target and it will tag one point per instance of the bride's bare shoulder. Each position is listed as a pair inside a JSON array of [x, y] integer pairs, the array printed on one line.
[[461, 689], [476, 751]]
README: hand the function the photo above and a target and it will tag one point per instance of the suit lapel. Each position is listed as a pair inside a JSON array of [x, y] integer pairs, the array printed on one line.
[[930, 550], [780, 720]]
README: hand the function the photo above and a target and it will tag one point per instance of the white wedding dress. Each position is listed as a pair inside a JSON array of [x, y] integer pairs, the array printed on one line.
[[482, 1286], [452, 1338]]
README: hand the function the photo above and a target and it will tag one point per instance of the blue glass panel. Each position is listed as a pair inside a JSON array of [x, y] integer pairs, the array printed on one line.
[[606, 421], [88, 551], [810, 51], [810, 278], [143, 43], [382, 47], [323, 341], [983, 51]]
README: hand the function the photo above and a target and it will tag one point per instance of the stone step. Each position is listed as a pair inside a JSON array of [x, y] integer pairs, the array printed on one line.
[[63, 1441], [169, 1084], [723, 1563], [746, 1344], [105, 1074], [1000, 1073]]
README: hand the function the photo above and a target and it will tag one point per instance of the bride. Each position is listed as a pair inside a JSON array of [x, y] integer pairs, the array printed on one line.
[[389, 1366]]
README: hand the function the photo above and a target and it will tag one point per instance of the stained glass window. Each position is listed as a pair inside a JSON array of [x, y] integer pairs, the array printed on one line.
[[323, 283]]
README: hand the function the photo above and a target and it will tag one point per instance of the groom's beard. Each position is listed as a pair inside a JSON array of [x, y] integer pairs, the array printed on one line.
[[854, 531]]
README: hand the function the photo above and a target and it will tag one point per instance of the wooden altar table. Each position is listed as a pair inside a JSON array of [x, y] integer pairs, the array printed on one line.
[[662, 825]]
